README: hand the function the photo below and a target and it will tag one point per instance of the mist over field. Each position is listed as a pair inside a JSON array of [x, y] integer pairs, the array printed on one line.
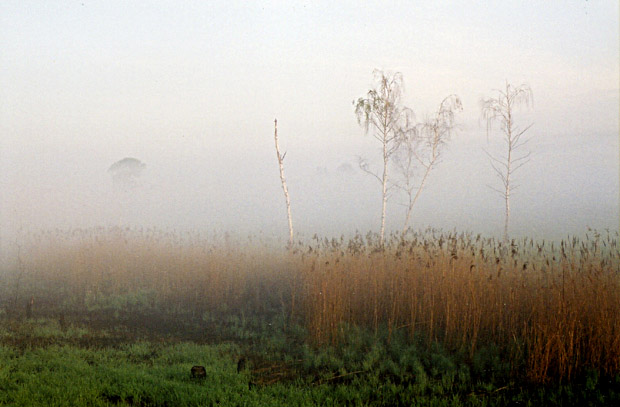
[[151, 155], [240, 193], [192, 91]]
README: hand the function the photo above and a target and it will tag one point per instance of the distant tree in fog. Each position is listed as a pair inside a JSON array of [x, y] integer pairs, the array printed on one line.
[[383, 115], [345, 168], [422, 146], [501, 109], [126, 172]]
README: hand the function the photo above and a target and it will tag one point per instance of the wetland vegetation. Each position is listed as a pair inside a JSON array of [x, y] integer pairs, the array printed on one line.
[[436, 318]]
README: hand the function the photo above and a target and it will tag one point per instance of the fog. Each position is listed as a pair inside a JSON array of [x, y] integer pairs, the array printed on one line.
[[192, 90]]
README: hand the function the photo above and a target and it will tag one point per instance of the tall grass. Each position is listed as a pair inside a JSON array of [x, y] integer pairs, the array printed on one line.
[[81, 269], [553, 309]]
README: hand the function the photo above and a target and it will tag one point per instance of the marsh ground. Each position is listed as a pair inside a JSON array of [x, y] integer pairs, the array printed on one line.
[[119, 317]]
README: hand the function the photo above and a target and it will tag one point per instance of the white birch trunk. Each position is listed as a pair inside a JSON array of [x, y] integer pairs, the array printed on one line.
[[508, 164], [507, 192], [284, 188], [384, 191]]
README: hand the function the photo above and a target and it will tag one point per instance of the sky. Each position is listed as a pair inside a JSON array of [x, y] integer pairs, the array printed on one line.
[[192, 89]]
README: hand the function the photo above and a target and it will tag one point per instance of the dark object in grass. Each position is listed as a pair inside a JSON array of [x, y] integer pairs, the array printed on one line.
[[113, 398], [199, 372], [241, 365]]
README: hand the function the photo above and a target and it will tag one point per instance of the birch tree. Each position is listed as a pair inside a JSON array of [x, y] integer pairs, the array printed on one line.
[[500, 109], [421, 147], [382, 114], [284, 187]]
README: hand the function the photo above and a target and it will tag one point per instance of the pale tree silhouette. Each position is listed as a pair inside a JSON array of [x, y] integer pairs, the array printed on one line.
[[383, 115], [284, 187], [501, 109], [421, 147]]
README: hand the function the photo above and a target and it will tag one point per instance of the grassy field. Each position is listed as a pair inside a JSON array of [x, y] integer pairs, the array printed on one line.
[[122, 315]]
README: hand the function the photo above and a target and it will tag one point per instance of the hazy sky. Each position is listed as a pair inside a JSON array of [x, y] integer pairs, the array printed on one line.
[[192, 88]]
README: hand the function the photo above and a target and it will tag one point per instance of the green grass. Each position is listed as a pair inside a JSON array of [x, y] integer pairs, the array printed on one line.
[[135, 374], [44, 365]]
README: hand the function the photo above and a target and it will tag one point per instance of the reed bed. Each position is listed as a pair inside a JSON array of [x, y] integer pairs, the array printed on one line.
[[173, 272], [552, 308]]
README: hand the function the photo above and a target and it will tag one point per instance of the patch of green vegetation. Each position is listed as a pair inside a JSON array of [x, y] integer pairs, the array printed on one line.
[[279, 368], [143, 300]]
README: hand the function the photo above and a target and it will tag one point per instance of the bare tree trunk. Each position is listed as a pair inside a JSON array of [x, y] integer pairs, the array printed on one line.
[[507, 192], [384, 191], [428, 167], [501, 109], [415, 198], [508, 163], [284, 188], [507, 220], [439, 129]]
